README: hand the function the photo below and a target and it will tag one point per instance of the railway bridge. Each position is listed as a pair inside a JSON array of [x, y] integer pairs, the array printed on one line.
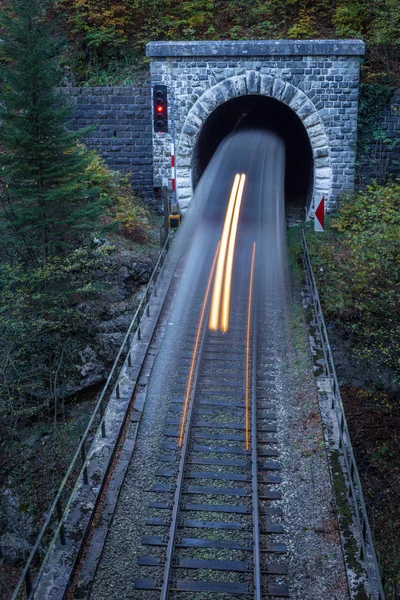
[[206, 468], [307, 91]]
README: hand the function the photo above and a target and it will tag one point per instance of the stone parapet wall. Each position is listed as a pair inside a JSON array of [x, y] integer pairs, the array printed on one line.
[[318, 79], [122, 134]]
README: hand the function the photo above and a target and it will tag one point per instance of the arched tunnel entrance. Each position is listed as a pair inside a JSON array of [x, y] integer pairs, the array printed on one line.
[[261, 112]]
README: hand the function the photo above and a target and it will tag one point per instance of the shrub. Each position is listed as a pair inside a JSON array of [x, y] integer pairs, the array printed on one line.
[[357, 265], [126, 212]]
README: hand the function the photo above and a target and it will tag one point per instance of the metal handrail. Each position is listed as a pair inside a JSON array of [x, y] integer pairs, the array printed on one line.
[[367, 548], [81, 453]]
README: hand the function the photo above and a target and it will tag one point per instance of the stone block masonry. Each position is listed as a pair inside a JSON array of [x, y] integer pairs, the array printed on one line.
[[383, 157], [122, 134], [317, 79]]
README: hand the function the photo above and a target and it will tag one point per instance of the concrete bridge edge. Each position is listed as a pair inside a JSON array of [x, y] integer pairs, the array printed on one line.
[[253, 82]]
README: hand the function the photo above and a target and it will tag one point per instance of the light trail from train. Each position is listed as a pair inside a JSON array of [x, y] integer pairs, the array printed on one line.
[[196, 348], [220, 304]]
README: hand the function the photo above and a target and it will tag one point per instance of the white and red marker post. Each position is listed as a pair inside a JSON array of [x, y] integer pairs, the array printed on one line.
[[319, 216], [173, 181]]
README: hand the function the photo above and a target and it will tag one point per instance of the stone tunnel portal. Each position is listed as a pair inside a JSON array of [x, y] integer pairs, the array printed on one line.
[[261, 112], [318, 80]]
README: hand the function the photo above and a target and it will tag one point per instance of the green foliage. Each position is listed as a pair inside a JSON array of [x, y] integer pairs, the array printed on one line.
[[386, 27], [108, 37], [50, 206], [306, 27], [133, 217], [385, 38], [373, 98], [46, 312], [357, 265], [42, 317], [125, 211], [351, 18], [44, 193], [99, 28], [370, 135]]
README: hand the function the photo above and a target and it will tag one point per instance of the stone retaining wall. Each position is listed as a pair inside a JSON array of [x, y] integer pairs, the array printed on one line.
[[323, 91], [383, 158], [123, 129]]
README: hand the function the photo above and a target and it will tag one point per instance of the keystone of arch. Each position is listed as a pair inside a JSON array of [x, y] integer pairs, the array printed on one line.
[[252, 82]]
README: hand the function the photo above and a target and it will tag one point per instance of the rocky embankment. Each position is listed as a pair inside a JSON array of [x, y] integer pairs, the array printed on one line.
[[111, 312], [35, 456]]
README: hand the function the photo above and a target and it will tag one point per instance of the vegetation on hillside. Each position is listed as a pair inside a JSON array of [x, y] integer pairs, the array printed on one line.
[[356, 263], [55, 198], [357, 266], [107, 37]]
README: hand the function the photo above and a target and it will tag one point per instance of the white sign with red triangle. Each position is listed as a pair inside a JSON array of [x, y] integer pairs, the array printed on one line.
[[319, 216]]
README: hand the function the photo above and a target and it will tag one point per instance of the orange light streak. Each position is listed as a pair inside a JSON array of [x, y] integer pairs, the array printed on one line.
[[248, 345], [226, 298], [196, 348], [219, 274]]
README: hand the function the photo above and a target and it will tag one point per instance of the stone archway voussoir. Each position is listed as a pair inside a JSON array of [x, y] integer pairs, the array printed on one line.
[[321, 152], [209, 100], [240, 85], [253, 82], [316, 128], [298, 100], [185, 143], [323, 172], [228, 89], [312, 120], [318, 141], [266, 84], [305, 110], [185, 160], [200, 111], [194, 120], [278, 89], [219, 95], [288, 93]]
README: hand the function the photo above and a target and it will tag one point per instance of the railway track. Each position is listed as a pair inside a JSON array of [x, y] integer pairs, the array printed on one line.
[[216, 524]]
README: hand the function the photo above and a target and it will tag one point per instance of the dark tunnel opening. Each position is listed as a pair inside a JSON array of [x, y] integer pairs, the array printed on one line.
[[266, 113]]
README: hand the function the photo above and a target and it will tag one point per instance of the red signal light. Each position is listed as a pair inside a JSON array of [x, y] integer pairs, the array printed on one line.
[[160, 108]]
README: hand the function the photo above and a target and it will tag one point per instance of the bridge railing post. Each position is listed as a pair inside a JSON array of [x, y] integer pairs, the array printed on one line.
[[103, 425], [129, 343], [60, 517], [84, 464], [28, 583]]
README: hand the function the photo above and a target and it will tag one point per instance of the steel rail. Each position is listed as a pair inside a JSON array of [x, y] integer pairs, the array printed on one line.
[[367, 549], [254, 453], [188, 415], [56, 508]]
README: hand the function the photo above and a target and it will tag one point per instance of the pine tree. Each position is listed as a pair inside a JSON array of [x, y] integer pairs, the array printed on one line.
[[47, 212], [46, 206]]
